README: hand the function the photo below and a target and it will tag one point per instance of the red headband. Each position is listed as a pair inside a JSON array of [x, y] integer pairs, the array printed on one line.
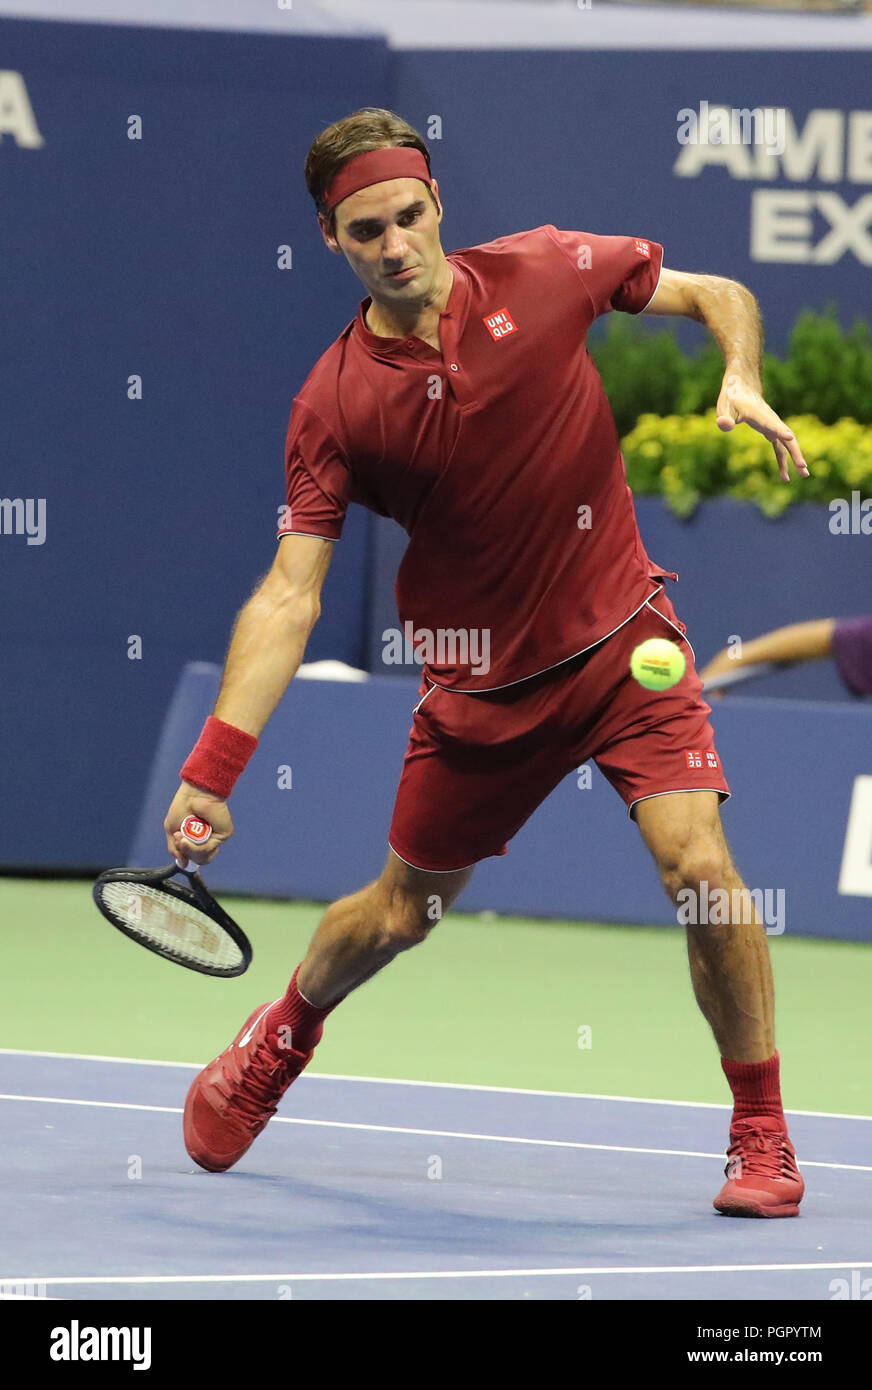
[[396, 162]]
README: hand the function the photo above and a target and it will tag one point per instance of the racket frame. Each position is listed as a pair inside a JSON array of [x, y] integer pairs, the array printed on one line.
[[195, 894]]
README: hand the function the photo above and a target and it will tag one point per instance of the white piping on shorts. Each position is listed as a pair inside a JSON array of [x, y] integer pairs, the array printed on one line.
[[674, 792], [622, 623], [415, 711], [671, 623], [434, 871]]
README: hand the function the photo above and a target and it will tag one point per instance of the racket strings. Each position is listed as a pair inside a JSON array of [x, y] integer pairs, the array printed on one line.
[[178, 927]]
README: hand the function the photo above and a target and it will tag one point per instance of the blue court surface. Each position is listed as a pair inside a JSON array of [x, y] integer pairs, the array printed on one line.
[[373, 1189]]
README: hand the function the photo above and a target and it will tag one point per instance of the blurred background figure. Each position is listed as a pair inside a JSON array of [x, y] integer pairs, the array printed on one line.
[[846, 641]]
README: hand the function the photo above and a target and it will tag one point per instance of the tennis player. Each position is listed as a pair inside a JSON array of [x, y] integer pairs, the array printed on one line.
[[461, 401]]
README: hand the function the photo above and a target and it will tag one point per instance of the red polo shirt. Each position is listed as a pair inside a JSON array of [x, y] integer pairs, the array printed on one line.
[[489, 455]]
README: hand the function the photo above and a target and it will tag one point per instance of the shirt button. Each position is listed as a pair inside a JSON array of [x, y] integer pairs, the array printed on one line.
[[410, 342], [454, 367]]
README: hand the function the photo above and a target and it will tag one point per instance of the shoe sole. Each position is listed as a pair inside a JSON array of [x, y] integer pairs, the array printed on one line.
[[743, 1206], [206, 1166]]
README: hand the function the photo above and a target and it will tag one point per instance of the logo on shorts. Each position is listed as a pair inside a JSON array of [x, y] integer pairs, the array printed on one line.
[[698, 759], [500, 324], [643, 248]]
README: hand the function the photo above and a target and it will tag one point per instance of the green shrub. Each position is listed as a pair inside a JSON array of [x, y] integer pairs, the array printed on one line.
[[827, 372], [685, 458], [642, 372]]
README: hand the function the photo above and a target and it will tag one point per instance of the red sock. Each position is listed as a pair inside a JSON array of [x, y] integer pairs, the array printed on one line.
[[294, 1011], [756, 1089]]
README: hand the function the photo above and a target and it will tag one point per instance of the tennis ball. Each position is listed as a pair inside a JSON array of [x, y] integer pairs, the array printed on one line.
[[657, 664]]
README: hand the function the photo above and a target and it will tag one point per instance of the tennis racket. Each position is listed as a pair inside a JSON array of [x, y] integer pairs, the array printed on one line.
[[753, 671], [180, 921]]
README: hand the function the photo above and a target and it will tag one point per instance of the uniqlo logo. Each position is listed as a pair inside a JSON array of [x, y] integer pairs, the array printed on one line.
[[702, 758], [643, 248], [500, 324]]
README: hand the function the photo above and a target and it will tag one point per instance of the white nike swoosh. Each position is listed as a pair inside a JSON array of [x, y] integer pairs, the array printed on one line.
[[247, 1036]]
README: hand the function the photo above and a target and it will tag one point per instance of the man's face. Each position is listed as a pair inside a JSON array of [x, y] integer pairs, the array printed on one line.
[[387, 228]]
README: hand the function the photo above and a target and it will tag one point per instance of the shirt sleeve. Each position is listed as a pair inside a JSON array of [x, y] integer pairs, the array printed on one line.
[[618, 272], [317, 477], [852, 652]]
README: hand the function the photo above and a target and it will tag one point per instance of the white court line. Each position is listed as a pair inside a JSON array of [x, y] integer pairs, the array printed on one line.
[[432, 1274], [440, 1085], [431, 1133]]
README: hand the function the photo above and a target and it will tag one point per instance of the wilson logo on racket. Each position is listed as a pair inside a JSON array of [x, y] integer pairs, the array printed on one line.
[[197, 831]]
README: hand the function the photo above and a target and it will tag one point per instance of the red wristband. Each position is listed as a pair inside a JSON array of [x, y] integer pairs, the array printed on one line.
[[218, 758]]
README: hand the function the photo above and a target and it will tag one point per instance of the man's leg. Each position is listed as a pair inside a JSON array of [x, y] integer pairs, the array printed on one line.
[[232, 1100], [732, 981], [729, 964], [358, 935]]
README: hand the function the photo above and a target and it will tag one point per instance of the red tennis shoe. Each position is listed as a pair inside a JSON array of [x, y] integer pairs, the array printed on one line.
[[236, 1096], [762, 1176]]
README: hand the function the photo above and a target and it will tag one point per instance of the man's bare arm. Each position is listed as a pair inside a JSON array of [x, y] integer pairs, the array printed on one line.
[[729, 311], [271, 632], [266, 649]]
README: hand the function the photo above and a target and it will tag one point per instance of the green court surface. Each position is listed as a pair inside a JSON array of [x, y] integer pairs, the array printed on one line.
[[490, 1002]]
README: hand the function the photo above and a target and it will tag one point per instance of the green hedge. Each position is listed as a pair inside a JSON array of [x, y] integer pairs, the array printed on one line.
[[827, 372], [685, 458]]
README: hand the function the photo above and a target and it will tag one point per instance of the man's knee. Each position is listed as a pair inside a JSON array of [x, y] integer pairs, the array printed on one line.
[[703, 859], [406, 919], [406, 902]]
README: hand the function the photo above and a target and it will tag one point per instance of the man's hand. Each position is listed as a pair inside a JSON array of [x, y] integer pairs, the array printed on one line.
[[740, 404], [193, 801], [730, 313]]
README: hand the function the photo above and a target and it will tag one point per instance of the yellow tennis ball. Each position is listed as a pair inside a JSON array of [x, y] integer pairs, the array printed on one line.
[[657, 664]]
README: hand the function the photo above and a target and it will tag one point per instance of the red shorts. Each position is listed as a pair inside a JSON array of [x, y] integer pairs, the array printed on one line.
[[478, 765]]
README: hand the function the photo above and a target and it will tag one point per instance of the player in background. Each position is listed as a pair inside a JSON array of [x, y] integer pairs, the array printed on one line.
[[462, 402], [847, 641]]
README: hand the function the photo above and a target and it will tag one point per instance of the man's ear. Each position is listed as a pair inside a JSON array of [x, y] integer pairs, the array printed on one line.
[[435, 187], [332, 243]]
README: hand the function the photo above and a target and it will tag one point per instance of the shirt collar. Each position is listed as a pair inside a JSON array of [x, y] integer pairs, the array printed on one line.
[[455, 309]]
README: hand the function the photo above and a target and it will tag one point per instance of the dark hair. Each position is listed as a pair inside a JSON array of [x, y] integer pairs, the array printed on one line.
[[370, 128]]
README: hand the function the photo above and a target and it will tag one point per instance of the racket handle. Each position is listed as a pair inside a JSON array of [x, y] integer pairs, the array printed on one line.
[[197, 832]]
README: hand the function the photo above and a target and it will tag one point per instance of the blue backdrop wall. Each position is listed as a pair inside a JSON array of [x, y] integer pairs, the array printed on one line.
[[154, 258], [151, 265], [589, 140]]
